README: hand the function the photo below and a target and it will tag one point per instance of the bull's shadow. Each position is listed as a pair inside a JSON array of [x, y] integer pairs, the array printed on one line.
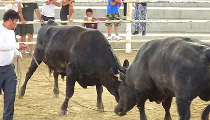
[[82, 55]]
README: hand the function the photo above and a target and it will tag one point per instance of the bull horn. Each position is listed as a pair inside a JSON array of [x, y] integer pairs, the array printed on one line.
[[117, 75], [119, 79]]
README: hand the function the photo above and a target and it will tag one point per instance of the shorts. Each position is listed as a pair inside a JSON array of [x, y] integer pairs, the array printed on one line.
[[45, 18], [115, 16], [26, 29], [63, 15], [17, 30]]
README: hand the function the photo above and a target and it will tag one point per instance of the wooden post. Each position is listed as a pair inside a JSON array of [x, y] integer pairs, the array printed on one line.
[[9, 4], [128, 28]]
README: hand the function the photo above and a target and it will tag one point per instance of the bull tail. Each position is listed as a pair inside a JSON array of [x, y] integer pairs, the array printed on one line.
[[50, 71], [205, 114]]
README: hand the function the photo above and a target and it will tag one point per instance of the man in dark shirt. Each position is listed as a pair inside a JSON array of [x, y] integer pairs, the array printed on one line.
[[66, 9], [26, 11]]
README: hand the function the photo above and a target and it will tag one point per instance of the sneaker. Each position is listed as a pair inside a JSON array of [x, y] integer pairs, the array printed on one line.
[[70, 20], [135, 33], [124, 17], [144, 32], [117, 38], [109, 37]]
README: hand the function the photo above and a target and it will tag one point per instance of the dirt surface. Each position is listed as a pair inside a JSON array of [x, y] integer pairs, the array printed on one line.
[[39, 102]]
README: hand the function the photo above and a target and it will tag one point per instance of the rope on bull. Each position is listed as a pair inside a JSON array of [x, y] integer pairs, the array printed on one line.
[[18, 73]]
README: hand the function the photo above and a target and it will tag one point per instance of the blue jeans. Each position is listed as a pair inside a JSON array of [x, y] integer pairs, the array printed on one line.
[[8, 85]]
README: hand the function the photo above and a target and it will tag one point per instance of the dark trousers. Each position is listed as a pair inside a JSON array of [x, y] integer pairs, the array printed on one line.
[[125, 9], [8, 85], [47, 18]]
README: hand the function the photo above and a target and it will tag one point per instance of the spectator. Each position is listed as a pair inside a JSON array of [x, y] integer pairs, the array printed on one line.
[[89, 17], [8, 49], [26, 11], [14, 7], [48, 9], [113, 14], [66, 9], [140, 13], [124, 10]]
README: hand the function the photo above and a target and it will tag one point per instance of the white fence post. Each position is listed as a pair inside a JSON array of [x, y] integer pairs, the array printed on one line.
[[128, 28]]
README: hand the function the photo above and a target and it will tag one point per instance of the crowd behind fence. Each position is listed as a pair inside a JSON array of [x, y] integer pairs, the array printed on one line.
[[128, 21]]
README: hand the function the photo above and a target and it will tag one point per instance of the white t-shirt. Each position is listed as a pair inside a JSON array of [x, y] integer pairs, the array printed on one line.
[[8, 46], [48, 10], [14, 7]]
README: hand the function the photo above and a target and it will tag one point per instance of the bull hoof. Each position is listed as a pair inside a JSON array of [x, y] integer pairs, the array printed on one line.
[[21, 92], [167, 118], [20, 97], [56, 95], [63, 112], [100, 109]]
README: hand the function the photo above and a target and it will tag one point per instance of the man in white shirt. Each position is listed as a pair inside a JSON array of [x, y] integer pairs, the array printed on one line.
[[48, 9], [9, 49]]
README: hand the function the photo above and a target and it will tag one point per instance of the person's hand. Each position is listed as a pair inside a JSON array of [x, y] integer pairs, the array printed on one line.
[[23, 21], [42, 21], [22, 46], [19, 57], [86, 19], [93, 20], [48, 3]]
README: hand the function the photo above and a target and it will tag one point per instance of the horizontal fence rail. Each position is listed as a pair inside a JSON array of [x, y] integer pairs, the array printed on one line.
[[122, 21], [129, 1]]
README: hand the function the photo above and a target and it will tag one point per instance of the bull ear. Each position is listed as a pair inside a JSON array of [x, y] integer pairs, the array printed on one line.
[[126, 63]]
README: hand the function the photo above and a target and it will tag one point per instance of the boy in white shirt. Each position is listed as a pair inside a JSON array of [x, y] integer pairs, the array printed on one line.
[[48, 9]]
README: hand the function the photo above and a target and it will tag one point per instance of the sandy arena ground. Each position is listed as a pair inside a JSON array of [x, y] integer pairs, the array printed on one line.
[[39, 102]]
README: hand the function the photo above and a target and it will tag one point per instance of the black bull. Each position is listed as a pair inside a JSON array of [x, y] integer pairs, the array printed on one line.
[[81, 54], [163, 69]]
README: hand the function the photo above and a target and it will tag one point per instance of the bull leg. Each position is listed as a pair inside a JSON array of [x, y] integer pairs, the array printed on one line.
[[205, 114], [30, 72], [56, 89], [71, 77], [167, 105], [183, 108], [100, 106], [141, 99]]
